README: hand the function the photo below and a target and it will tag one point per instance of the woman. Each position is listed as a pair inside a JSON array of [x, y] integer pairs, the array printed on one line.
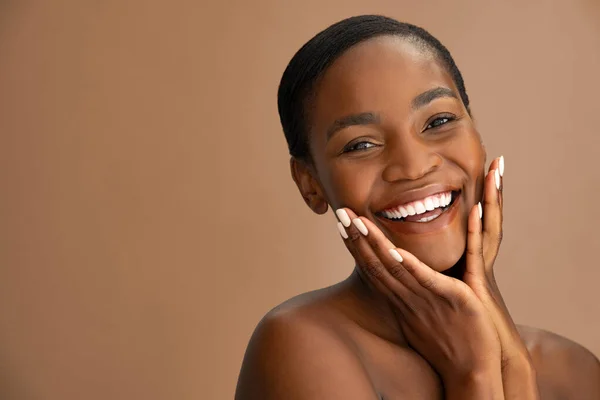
[[378, 124]]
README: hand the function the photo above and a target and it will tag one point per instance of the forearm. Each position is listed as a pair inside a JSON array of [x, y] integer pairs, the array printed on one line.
[[519, 379], [482, 385]]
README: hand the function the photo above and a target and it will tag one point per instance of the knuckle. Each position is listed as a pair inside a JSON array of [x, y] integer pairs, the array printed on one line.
[[373, 268], [398, 271], [477, 251], [353, 235], [461, 299], [472, 230], [429, 283]]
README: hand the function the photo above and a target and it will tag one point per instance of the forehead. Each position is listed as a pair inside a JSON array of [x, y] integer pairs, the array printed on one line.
[[379, 75]]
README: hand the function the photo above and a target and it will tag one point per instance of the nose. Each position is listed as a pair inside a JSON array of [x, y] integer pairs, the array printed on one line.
[[410, 159]]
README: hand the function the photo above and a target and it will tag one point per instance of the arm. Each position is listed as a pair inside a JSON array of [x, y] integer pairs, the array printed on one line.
[[580, 370], [564, 367], [292, 357], [520, 378], [440, 317], [476, 385], [518, 372]]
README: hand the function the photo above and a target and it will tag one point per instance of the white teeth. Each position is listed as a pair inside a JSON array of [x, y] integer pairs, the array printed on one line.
[[427, 219], [403, 212], [444, 200], [429, 204], [420, 207]]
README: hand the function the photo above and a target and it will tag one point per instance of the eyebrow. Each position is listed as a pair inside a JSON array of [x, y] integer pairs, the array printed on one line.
[[427, 97], [366, 118]]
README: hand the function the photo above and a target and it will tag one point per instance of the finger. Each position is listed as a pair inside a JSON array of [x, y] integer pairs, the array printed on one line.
[[492, 215], [501, 171], [498, 164], [382, 247], [350, 233], [433, 281], [411, 272], [475, 264], [370, 265]]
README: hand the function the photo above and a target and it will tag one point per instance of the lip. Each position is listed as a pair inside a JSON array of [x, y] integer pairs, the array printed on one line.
[[407, 227], [418, 194]]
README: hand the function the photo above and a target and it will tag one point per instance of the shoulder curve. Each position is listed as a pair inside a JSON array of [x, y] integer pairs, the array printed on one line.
[[542, 342], [294, 351], [571, 368]]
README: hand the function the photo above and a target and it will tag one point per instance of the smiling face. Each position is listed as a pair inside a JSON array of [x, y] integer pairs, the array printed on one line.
[[390, 137]]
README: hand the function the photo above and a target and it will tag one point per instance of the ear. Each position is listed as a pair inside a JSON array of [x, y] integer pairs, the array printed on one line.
[[309, 187]]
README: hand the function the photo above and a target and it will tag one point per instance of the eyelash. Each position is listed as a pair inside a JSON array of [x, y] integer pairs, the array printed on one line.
[[448, 118], [353, 147]]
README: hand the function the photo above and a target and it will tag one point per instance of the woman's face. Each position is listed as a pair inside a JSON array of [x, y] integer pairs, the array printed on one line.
[[390, 137]]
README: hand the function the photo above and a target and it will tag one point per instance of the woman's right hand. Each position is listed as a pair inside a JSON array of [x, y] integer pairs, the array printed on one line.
[[440, 317]]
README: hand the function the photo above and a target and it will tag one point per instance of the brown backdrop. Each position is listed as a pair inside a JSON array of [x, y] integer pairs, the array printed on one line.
[[147, 217]]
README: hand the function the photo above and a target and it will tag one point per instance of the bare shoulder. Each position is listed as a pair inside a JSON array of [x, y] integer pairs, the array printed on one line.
[[563, 367], [295, 353]]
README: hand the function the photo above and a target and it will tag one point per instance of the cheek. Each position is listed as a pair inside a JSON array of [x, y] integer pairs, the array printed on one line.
[[350, 186], [468, 155]]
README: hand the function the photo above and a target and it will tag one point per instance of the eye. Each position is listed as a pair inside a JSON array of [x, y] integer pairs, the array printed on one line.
[[439, 121], [358, 146]]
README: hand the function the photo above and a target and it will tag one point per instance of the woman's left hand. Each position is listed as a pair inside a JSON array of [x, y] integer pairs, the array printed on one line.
[[483, 243]]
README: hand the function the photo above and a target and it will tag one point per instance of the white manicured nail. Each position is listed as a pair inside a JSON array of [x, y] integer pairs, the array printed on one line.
[[360, 226], [342, 230], [497, 178], [343, 217], [501, 165], [480, 210], [396, 255]]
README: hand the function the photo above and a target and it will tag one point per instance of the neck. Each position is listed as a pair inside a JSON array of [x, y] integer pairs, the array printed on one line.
[[383, 320]]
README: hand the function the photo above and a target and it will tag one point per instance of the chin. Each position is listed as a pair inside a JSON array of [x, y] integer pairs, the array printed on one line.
[[442, 256], [440, 249]]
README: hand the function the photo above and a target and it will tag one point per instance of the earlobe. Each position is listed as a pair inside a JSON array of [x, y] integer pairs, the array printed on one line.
[[317, 204], [308, 186]]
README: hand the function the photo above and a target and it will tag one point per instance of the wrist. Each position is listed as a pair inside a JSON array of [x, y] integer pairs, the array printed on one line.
[[519, 359], [482, 383], [520, 378]]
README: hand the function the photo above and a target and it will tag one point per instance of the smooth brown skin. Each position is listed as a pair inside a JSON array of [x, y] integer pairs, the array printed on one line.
[[347, 341]]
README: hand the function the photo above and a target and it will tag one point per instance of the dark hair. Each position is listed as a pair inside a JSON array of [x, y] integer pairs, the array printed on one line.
[[311, 61]]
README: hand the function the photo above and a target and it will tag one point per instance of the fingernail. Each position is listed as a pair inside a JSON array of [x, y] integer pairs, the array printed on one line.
[[501, 165], [343, 217], [480, 210], [360, 226], [342, 230], [396, 255], [497, 178]]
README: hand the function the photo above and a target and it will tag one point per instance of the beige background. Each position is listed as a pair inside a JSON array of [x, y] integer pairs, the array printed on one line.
[[147, 217]]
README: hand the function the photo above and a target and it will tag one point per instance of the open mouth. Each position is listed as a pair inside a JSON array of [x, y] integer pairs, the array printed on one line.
[[424, 210]]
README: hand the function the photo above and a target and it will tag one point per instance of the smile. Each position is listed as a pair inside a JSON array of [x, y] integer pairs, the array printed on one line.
[[422, 210]]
